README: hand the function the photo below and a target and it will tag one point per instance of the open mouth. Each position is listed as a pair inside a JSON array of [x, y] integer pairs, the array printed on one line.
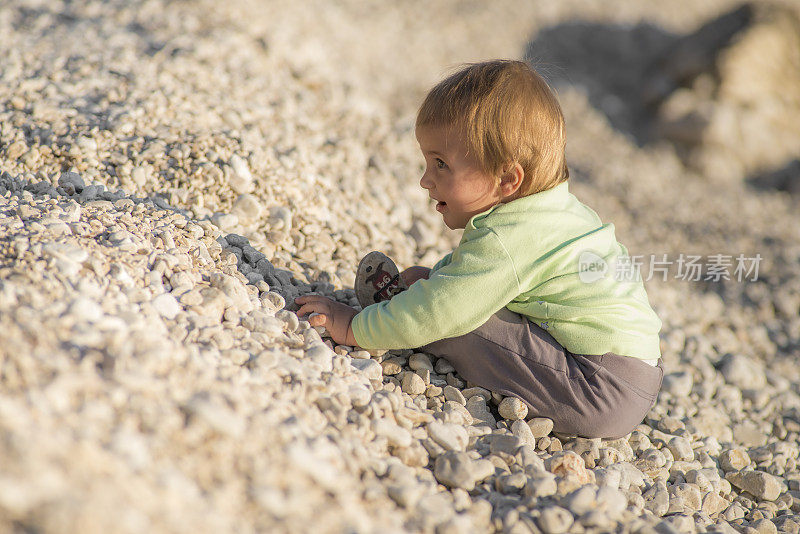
[[440, 205]]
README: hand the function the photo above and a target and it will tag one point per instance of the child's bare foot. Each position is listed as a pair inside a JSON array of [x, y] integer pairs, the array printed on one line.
[[377, 279]]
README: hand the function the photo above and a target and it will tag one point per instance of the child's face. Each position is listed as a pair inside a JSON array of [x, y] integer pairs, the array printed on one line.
[[453, 178]]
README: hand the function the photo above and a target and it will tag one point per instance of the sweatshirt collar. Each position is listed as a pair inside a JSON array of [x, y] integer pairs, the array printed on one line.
[[526, 203]]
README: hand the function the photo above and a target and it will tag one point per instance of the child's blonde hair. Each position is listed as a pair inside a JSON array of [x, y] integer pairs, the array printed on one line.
[[508, 114]]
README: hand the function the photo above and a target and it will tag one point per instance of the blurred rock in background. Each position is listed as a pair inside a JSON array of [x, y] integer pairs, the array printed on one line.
[[727, 95]]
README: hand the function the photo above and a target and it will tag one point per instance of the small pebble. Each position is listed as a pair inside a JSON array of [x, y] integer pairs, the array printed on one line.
[[512, 408], [540, 426]]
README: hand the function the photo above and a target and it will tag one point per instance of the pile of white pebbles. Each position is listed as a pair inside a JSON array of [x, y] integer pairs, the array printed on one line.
[[174, 174]]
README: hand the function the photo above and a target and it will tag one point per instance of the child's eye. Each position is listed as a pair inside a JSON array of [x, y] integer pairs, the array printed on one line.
[[440, 164]]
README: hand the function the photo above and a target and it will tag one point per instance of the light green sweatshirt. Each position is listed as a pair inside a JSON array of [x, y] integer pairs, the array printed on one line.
[[541, 256]]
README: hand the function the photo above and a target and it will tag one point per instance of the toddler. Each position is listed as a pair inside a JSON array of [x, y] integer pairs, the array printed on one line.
[[513, 308]]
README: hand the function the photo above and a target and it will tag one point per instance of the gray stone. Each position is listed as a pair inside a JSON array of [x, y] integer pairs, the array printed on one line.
[[608, 477], [476, 405], [248, 208], [456, 469], [274, 300], [508, 444], [86, 309], [225, 221], [529, 460], [650, 460], [451, 437], [181, 281], [234, 240], [419, 361], [541, 484], [759, 455], [742, 372], [166, 305], [678, 384], [689, 495], [234, 290], [265, 268], [252, 256], [412, 383], [443, 367], [540, 426], [280, 218], [749, 434], [71, 182], [761, 485], [656, 499], [734, 459], [763, 526], [476, 390], [456, 413], [405, 495], [511, 483], [512, 408], [397, 436], [585, 447], [392, 366], [321, 355], [68, 252], [258, 321], [453, 394], [713, 504], [523, 432], [611, 501], [681, 449], [581, 501], [631, 476], [554, 520], [370, 368], [241, 180], [90, 192]]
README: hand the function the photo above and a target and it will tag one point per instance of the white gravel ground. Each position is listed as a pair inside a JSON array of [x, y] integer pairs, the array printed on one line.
[[173, 173]]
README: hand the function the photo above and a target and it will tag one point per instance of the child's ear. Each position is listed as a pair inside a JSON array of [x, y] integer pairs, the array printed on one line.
[[511, 179]]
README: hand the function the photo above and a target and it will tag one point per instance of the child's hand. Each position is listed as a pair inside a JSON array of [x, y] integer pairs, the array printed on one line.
[[334, 316], [412, 274]]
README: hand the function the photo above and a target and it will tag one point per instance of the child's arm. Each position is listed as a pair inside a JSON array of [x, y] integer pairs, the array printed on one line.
[[334, 316], [458, 297]]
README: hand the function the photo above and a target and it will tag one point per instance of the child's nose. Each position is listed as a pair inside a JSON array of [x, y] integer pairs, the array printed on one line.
[[425, 181]]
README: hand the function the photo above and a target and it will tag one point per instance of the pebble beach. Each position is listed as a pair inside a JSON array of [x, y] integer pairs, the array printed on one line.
[[174, 174]]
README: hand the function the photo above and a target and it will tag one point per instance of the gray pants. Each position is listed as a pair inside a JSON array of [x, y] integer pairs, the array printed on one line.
[[590, 396]]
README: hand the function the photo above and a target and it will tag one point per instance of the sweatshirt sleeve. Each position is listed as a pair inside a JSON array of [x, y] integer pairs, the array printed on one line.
[[441, 263], [479, 280]]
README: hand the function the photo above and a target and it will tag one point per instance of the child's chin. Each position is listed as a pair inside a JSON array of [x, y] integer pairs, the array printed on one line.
[[452, 225]]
